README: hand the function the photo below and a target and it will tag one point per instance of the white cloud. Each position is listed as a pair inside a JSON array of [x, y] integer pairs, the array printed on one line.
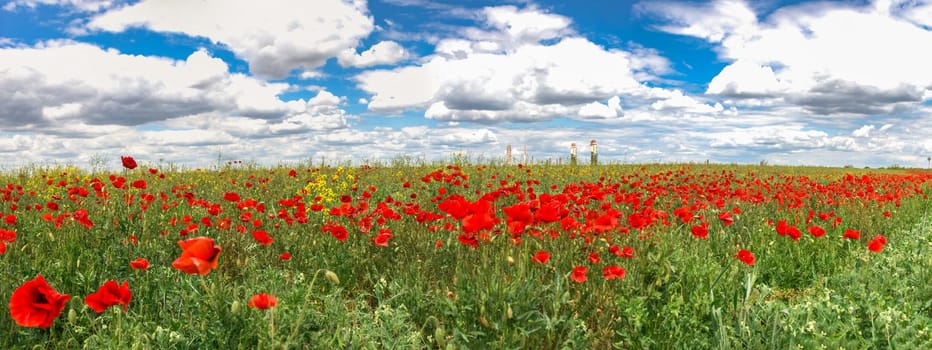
[[534, 82], [745, 79], [863, 131], [676, 100], [275, 37], [829, 58], [49, 88], [189, 138], [715, 21], [516, 64], [81, 5], [525, 26], [308, 74], [599, 110], [383, 53], [920, 14], [520, 65], [320, 113]]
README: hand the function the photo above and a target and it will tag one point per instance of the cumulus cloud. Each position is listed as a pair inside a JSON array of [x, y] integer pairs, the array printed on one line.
[[518, 65], [383, 53], [524, 26], [320, 113], [863, 131], [599, 110], [829, 58], [80, 5], [920, 13], [51, 88], [274, 37], [68, 100]]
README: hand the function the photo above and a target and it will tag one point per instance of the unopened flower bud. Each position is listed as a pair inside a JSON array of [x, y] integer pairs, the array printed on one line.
[[332, 276]]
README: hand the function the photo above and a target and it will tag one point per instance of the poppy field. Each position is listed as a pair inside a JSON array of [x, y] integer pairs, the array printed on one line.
[[465, 256]]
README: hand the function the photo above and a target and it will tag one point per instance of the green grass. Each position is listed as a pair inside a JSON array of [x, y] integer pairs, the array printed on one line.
[[679, 291]]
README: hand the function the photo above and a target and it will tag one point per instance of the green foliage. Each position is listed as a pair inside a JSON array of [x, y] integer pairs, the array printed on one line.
[[679, 291]]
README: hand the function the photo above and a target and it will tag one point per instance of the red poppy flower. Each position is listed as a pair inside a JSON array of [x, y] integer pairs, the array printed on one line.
[[140, 184], [336, 230], [852, 234], [36, 304], [199, 256], [285, 256], [684, 214], [262, 301], [481, 216], [785, 229], [139, 263], [7, 235], [541, 256], [876, 245], [701, 231], [816, 231], [594, 258], [469, 239], [745, 257], [613, 272], [128, 162], [262, 237], [627, 252], [382, 238], [579, 274], [109, 294], [518, 217], [726, 218], [231, 196]]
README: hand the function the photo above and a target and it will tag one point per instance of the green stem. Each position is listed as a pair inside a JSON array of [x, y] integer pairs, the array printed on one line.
[[300, 319], [272, 324]]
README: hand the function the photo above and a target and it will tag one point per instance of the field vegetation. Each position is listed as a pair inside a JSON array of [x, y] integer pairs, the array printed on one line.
[[465, 255]]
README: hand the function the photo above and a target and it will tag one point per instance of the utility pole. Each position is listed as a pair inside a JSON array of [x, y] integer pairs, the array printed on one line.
[[508, 155], [525, 156]]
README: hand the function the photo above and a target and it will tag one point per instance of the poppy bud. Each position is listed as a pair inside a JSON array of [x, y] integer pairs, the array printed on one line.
[[235, 307], [72, 316], [508, 313], [511, 260], [332, 276]]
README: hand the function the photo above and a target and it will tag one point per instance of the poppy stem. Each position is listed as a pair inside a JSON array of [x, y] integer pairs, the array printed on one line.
[[720, 274], [271, 325], [119, 326], [300, 319], [204, 286]]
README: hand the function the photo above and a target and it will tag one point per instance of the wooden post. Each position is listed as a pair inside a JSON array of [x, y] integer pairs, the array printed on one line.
[[508, 155]]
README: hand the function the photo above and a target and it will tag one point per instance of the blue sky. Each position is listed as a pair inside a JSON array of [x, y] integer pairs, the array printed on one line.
[[821, 83]]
